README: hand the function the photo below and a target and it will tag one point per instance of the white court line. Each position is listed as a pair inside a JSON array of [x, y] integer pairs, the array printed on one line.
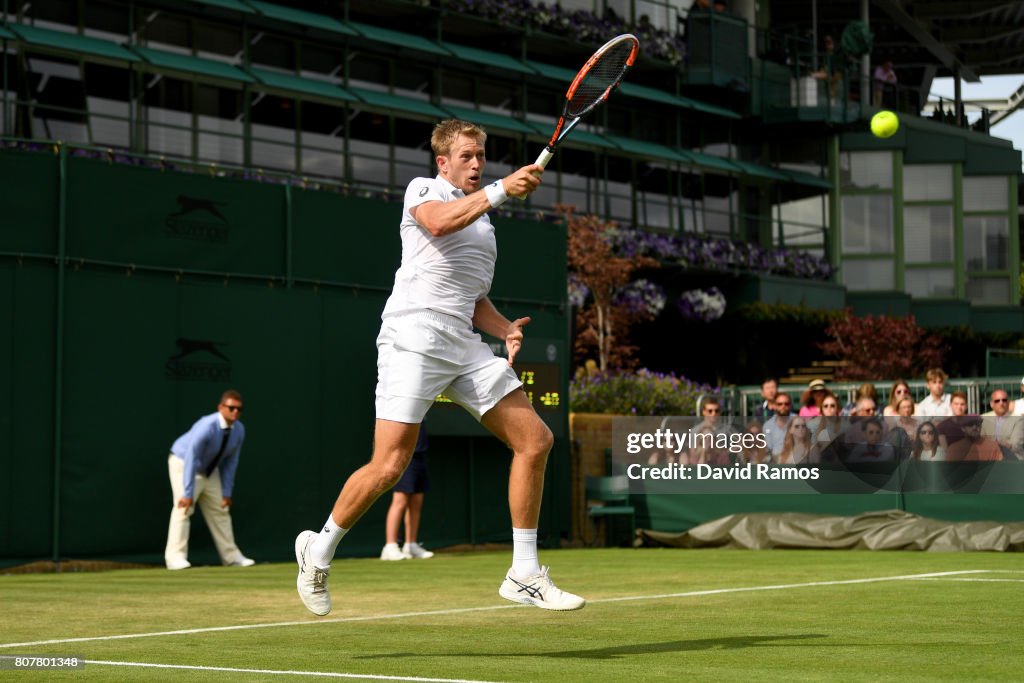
[[274, 672], [939, 578], [465, 610]]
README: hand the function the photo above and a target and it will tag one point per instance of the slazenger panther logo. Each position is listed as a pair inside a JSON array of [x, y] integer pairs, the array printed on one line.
[[193, 361], [197, 219]]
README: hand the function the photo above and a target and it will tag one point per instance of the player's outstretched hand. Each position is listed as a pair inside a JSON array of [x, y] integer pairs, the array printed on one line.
[[514, 338], [524, 181]]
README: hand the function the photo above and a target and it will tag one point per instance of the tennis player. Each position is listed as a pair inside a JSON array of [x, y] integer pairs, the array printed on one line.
[[427, 346]]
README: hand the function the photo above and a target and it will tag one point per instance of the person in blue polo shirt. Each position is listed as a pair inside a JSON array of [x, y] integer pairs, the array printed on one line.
[[202, 467]]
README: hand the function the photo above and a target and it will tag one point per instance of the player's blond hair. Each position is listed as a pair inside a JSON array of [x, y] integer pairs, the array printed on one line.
[[448, 131]]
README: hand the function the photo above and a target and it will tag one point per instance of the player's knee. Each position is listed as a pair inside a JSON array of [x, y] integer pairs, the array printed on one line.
[[545, 440], [388, 475]]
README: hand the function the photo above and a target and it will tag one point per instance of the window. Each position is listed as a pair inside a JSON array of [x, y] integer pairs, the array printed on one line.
[[804, 221], [369, 149], [991, 291], [219, 117], [273, 131], [271, 51], [164, 32], [930, 282], [719, 201], [167, 113], [986, 242], [108, 90], [654, 202], [105, 20], [867, 224], [222, 43], [928, 234], [323, 140], [323, 63], [986, 193], [931, 182], [55, 84], [866, 170], [868, 274]]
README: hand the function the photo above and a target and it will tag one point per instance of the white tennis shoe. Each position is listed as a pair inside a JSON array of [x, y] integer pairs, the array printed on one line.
[[312, 580], [538, 590], [391, 552], [416, 551]]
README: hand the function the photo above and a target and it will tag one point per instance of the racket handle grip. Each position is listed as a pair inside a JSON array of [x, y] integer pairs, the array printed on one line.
[[545, 157], [542, 161]]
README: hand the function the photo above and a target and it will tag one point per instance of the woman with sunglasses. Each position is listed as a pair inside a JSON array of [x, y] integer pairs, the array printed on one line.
[[796, 448], [926, 444], [900, 390], [826, 428]]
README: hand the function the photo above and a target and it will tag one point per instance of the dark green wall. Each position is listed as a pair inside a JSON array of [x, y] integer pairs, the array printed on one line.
[[284, 287]]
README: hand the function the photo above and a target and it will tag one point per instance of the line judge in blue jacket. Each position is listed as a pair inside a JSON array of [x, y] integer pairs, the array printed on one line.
[[202, 467]]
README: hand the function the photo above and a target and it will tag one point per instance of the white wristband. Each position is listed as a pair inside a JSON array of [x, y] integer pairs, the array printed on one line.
[[496, 194]]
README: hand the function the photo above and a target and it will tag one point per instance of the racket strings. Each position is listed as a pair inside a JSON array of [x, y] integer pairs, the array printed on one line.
[[605, 72]]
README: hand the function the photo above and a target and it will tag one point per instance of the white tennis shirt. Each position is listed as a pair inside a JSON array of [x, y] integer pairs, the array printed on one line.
[[447, 274]]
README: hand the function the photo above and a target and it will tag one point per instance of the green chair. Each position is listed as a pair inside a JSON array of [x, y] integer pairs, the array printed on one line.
[[608, 497]]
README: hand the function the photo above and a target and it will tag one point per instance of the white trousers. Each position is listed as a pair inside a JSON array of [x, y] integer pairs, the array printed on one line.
[[207, 495]]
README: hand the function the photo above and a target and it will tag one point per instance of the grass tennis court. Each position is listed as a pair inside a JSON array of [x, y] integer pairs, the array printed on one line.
[[653, 615]]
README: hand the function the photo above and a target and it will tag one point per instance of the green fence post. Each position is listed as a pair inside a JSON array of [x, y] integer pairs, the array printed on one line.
[[58, 375]]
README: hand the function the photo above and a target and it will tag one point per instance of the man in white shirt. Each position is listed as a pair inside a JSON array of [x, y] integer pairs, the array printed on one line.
[[1007, 429], [936, 403], [427, 346], [775, 428]]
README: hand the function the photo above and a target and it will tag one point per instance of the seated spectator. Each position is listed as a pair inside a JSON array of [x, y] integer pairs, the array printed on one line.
[[1007, 430], [899, 391], [866, 390], [775, 428], [973, 446], [769, 389], [705, 452], [755, 453], [797, 445], [936, 403], [872, 448], [926, 444], [905, 417], [661, 456], [810, 400], [826, 429], [950, 429]]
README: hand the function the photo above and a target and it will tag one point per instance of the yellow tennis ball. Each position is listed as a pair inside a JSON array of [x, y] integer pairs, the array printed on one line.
[[884, 124]]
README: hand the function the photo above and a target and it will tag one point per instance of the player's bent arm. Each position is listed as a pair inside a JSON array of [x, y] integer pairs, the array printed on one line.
[[444, 218], [486, 318]]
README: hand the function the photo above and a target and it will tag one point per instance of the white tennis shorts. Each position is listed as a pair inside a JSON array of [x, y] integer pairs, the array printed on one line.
[[423, 354]]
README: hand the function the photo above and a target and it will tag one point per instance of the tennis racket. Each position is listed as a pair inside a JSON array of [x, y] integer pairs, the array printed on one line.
[[592, 86]]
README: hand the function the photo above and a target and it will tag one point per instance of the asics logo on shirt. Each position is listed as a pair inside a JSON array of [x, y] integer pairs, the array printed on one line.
[[424, 191]]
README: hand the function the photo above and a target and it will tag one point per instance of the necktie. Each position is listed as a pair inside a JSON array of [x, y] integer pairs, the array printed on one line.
[[216, 459]]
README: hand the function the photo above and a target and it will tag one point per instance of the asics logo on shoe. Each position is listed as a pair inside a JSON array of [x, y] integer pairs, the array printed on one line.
[[530, 590]]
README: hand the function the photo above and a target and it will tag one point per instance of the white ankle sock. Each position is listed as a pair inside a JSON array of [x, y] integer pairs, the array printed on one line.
[[326, 543], [524, 552]]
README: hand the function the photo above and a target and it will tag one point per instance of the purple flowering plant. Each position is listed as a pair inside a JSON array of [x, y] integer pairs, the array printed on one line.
[[692, 250], [704, 305], [643, 392]]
